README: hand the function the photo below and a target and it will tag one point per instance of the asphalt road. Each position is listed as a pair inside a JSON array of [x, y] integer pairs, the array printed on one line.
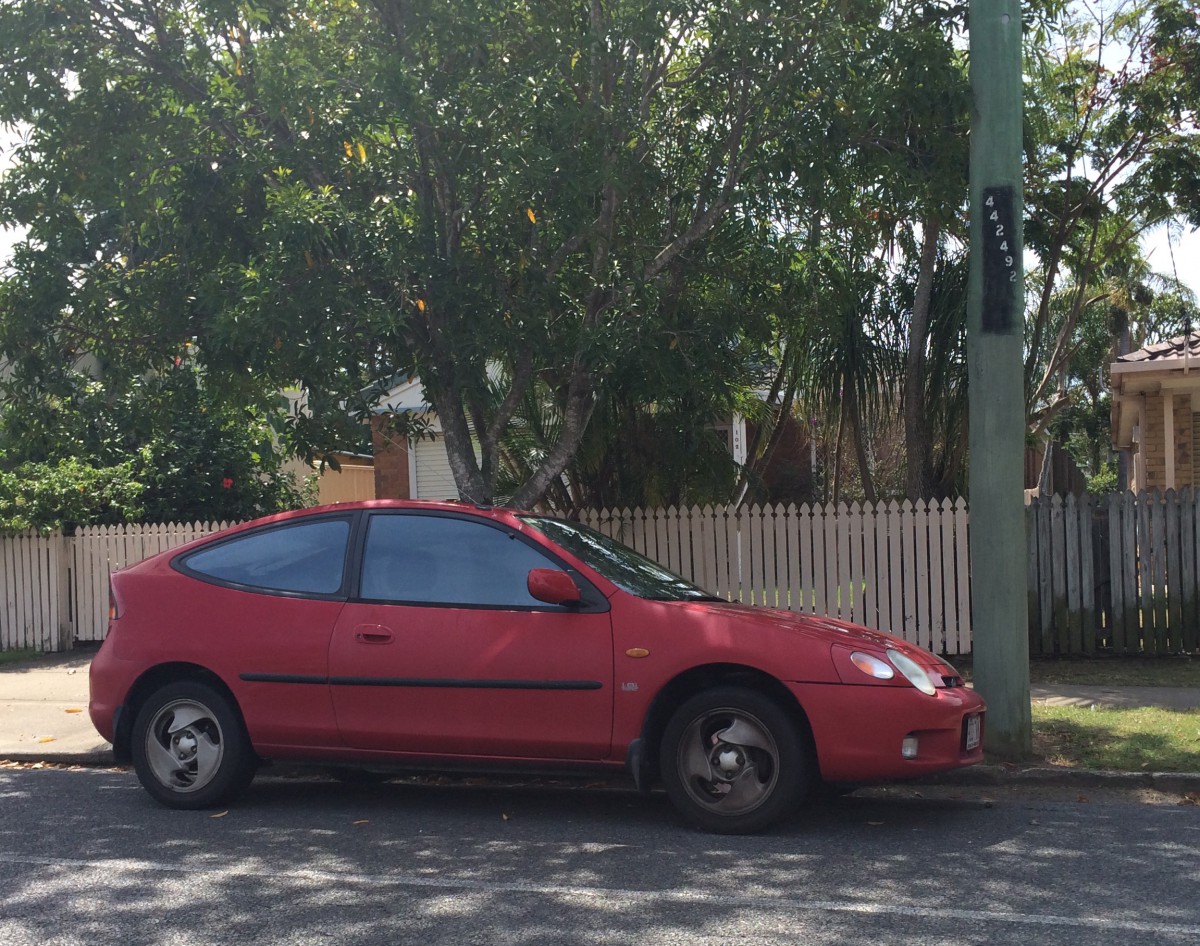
[[87, 858]]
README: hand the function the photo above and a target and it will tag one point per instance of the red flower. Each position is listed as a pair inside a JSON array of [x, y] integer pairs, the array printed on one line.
[[227, 483]]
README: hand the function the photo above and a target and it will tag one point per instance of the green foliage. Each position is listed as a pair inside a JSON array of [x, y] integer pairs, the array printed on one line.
[[1104, 480], [324, 193], [157, 448], [1112, 151], [647, 212], [59, 496]]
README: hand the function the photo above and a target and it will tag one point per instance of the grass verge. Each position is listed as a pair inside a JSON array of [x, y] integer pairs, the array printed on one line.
[[1107, 671], [16, 656], [1124, 740]]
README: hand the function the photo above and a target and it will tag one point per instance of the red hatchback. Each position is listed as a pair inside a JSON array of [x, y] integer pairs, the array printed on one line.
[[443, 636]]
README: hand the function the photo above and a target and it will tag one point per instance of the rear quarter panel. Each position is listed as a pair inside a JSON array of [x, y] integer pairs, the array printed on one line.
[[169, 617]]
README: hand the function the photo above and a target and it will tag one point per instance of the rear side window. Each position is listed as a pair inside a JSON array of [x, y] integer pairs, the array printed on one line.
[[307, 558]]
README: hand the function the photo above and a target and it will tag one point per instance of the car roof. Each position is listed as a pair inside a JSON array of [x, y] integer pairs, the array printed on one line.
[[423, 505]]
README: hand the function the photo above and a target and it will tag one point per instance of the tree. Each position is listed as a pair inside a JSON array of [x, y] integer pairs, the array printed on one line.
[[154, 448], [1113, 152], [326, 192]]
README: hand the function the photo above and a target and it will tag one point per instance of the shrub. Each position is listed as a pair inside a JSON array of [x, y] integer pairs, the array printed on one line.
[[70, 492]]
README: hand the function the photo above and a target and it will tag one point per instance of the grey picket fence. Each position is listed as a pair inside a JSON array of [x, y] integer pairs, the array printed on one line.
[[1118, 573]]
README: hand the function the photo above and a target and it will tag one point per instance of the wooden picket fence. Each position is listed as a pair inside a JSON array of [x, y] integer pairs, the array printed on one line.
[[895, 566], [1117, 573], [34, 592], [54, 589], [98, 551]]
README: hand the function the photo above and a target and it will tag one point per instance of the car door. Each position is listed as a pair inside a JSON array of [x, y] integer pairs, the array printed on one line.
[[443, 651]]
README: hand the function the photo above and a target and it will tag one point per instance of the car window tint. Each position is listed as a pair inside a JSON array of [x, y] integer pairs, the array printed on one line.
[[440, 560], [309, 557]]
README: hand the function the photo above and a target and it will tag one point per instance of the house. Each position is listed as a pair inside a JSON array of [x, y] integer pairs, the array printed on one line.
[[354, 479], [1156, 412], [404, 468]]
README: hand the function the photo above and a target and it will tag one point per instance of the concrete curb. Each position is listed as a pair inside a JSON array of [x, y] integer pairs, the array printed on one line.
[[976, 776], [95, 758], [980, 775]]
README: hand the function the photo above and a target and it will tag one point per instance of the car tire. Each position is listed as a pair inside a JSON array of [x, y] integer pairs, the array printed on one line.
[[733, 762], [190, 749]]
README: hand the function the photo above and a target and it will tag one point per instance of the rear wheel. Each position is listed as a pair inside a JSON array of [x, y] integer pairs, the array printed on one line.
[[732, 761], [189, 747]]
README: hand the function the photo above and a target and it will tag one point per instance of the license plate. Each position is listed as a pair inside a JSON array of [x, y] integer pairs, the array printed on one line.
[[972, 732]]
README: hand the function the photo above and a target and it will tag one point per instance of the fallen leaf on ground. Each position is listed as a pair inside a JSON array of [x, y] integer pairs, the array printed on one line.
[[363, 821], [73, 710], [1190, 798], [219, 814], [1082, 799], [875, 824], [504, 816], [46, 739]]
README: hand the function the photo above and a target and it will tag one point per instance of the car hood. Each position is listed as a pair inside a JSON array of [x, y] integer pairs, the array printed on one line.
[[818, 629]]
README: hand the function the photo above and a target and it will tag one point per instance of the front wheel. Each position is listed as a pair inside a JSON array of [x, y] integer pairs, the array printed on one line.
[[732, 761], [189, 747]]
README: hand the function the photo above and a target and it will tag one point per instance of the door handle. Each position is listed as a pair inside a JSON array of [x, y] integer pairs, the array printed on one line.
[[373, 634]]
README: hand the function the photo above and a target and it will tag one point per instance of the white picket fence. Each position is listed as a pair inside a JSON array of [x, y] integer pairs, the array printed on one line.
[[34, 591], [895, 566], [54, 589], [900, 567], [98, 551]]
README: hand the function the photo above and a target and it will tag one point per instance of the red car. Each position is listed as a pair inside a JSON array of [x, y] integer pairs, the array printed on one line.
[[443, 636]]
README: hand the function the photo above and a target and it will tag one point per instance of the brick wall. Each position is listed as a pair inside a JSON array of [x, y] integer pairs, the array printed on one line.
[[1155, 450]]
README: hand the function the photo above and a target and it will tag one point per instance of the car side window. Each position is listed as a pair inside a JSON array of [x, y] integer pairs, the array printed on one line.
[[443, 560], [308, 558]]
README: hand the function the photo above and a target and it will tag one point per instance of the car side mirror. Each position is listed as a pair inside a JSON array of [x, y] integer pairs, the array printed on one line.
[[553, 586]]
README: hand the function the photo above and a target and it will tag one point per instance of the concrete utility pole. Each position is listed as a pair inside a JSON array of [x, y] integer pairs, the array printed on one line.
[[995, 336]]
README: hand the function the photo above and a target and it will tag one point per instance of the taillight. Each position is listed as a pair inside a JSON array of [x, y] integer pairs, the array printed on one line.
[[113, 611]]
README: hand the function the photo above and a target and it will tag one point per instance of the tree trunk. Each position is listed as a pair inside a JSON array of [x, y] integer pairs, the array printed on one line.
[[837, 453], [860, 448], [1046, 477], [918, 441]]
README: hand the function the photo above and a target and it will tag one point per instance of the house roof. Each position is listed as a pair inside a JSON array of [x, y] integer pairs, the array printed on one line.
[[1170, 367], [406, 396], [1179, 348]]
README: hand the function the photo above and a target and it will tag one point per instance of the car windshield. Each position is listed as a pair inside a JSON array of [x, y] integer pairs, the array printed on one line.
[[625, 568]]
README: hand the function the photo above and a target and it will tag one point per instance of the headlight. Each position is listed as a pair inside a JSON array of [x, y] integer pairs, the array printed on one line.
[[912, 672], [872, 666]]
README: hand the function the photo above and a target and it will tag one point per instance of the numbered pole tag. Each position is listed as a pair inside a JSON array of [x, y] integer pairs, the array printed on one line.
[[1001, 255]]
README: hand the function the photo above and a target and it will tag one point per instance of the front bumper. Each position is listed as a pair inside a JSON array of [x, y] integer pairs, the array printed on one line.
[[859, 731]]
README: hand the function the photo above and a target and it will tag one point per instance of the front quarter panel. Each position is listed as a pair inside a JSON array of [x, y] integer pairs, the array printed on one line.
[[657, 641]]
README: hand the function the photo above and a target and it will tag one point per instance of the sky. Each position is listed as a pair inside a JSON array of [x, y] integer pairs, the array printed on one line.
[[1186, 249]]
